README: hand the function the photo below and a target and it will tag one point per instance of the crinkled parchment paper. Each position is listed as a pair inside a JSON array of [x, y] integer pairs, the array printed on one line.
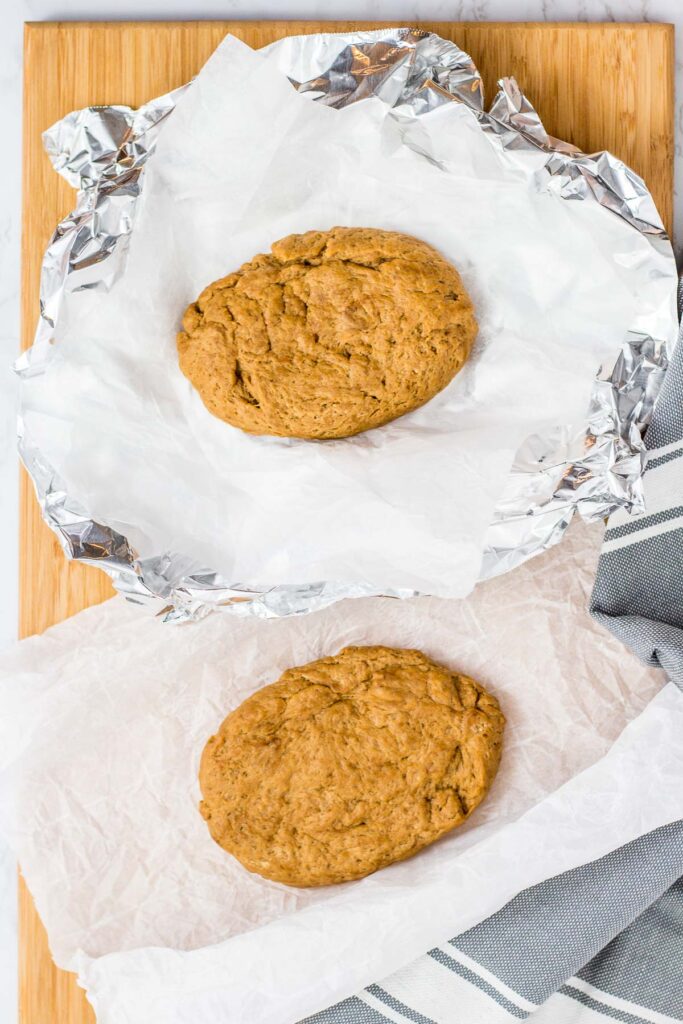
[[102, 722]]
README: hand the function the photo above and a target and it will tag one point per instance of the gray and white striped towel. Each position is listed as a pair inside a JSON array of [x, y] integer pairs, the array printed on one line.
[[604, 941]]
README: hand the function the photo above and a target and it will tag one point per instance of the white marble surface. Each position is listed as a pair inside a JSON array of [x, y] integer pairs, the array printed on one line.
[[12, 14]]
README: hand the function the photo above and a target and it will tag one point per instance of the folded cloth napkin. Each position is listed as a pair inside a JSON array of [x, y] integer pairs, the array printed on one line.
[[605, 940]]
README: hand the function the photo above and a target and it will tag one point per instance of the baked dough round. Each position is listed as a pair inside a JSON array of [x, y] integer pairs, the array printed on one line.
[[332, 333], [349, 763]]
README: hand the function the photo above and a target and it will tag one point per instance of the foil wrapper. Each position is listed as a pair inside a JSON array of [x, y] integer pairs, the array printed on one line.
[[102, 151]]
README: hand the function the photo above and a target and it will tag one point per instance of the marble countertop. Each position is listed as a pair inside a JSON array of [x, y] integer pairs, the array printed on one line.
[[12, 14]]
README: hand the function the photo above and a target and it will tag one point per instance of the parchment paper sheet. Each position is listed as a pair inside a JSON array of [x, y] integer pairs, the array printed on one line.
[[244, 160], [102, 722]]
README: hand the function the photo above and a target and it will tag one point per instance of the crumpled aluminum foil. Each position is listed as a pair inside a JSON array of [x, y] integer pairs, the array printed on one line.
[[102, 152]]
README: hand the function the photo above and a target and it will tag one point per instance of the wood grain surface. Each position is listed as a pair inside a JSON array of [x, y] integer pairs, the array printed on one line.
[[599, 86]]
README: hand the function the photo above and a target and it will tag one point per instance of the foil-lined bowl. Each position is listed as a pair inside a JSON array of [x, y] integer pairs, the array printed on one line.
[[102, 152]]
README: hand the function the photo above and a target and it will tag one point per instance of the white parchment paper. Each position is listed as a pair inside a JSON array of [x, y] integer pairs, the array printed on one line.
[[244, 160], [102, 723]]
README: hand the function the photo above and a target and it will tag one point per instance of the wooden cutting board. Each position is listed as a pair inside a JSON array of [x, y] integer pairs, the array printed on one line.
[[600, 86]]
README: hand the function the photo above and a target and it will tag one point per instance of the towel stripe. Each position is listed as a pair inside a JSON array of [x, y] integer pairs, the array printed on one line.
[[474, 979], [660, 460], [350, 1011], [643, 523], [599, 1007], [489, 976], [398, 1006]]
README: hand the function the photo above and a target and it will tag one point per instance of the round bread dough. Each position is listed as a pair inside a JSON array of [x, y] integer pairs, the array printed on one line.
[[348, 764], [332, 333]]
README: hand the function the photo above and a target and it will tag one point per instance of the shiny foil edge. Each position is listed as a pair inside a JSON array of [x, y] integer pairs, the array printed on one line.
[[102, 152]]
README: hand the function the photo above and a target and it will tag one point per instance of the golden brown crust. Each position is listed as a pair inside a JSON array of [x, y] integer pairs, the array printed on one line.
[[348, 764], [332, 333]]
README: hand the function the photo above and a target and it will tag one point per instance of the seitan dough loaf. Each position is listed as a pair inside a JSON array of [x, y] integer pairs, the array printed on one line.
[[349, 763], [329, 334]]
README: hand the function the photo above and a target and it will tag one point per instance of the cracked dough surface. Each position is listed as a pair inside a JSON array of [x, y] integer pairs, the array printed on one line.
[[349, 763], [329, 334]]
